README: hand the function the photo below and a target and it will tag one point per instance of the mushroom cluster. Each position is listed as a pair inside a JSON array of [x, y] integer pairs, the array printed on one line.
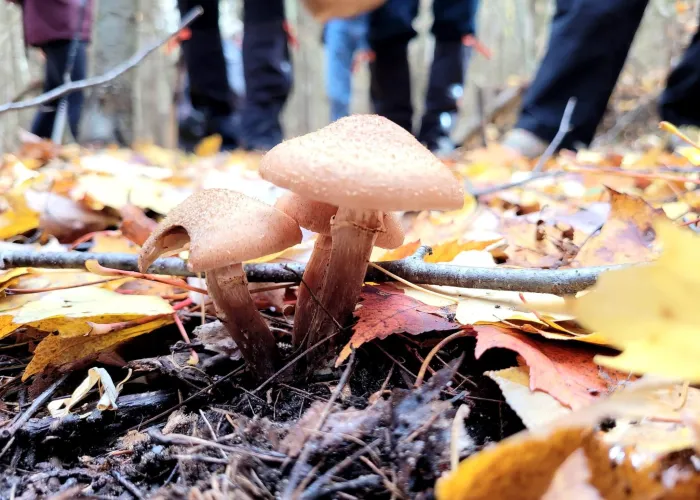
[[345, 180], [363, 166]]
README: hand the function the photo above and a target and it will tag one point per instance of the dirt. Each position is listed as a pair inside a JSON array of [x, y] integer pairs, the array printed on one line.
[[382, 438]]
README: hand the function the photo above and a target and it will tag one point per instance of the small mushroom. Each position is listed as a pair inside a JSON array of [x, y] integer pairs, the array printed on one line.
[[223, 229], [366, 165], [316, 216]]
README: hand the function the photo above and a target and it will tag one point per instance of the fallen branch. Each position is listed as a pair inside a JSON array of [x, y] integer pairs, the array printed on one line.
[[95, 81], [413, 269], [36, 404]]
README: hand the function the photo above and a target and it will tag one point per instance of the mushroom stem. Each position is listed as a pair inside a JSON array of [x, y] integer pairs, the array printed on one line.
[[314, 274], [353, 232], [228, 288]]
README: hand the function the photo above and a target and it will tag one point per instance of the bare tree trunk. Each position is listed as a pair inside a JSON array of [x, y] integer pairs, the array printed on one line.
[[109, 113]]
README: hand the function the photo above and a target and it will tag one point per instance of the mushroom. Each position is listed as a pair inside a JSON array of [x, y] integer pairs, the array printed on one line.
[[316, 216], [225, 228], [366, 165]]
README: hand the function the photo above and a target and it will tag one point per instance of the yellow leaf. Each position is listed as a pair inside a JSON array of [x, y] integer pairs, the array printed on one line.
[[209, 146], [69, 311], [56, 350], [650, 312], [521, 466], [18, 218], [8, 277]]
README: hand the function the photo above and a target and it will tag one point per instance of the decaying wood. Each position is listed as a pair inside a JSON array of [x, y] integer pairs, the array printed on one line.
[[413, 269]]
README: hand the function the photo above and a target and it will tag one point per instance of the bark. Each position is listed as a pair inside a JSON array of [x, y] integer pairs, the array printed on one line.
[[413, 269], [108, 116]]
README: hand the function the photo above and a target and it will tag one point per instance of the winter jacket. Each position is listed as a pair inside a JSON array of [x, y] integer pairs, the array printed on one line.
[[55, 20]]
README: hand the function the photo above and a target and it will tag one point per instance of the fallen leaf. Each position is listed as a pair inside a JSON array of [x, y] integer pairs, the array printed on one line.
[[521, 467], [650, 312], [61, 407], [564, 371], [112, 242], [532, 244], [70, 311], [385, 310], [626, 237], [136, 226], [535, 408], [18, 217], [56, 350], [209, 146], [572, 480]]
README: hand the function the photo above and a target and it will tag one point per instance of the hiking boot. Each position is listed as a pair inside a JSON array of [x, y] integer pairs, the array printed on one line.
[[524, 143]]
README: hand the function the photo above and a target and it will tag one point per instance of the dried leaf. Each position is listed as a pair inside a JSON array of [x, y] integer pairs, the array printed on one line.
[[70, 311], [209, 146], [562, 370], [626, 237], [386, 310], [57, 351], [650, 312]]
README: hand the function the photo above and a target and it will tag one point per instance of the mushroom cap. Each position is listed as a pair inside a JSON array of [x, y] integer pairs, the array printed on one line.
[[309, 214], [365, 162], [316, 216], [223, 227]]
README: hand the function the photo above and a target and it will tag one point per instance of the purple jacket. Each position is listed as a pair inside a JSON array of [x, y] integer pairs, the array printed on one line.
[[53, 20]]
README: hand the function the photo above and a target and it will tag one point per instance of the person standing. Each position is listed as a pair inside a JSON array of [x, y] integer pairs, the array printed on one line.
[[390, 30], [588, 46], [346, 45], [255, 124], [50, 26]]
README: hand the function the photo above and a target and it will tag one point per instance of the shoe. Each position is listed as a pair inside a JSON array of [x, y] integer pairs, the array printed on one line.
[[524, 143]]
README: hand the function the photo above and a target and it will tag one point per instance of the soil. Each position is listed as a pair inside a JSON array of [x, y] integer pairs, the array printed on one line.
[[182, 432]]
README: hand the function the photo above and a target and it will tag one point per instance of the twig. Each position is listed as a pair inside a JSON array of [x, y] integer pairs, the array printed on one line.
[[509, 185], [33, 408], [131, 487], [115, 72], [184, 440], [434, 351], [564, 128], [361, 482], [558, 282], [212, 432], [300, 464]]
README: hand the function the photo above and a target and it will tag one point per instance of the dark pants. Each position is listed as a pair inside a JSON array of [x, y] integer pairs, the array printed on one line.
[[390, 31], [266, 66], [588, 46], [56, 58], [268, 72]]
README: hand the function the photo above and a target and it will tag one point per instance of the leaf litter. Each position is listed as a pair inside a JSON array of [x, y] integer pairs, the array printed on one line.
[[561, 397]]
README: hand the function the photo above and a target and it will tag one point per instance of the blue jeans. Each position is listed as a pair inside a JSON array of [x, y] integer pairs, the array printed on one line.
[[343, 37]]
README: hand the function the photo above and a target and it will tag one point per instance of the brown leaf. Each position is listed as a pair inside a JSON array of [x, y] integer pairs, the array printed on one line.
[[627, 236], [532, 244], [386, 310], [564, 371], [136, 225]]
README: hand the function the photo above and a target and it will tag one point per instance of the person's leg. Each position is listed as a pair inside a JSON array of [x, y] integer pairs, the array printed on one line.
[[209, 88], [339, 54], [390, 30], [268, 72], [55, 54], [75, 99], [680, 101], [454, 19], [588, 45]]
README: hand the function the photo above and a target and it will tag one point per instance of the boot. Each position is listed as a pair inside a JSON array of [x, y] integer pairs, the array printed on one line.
[[445, 89], [390, 88]]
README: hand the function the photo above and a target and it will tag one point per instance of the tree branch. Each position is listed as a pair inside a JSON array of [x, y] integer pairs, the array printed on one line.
[[134, 60], [413, 269]]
